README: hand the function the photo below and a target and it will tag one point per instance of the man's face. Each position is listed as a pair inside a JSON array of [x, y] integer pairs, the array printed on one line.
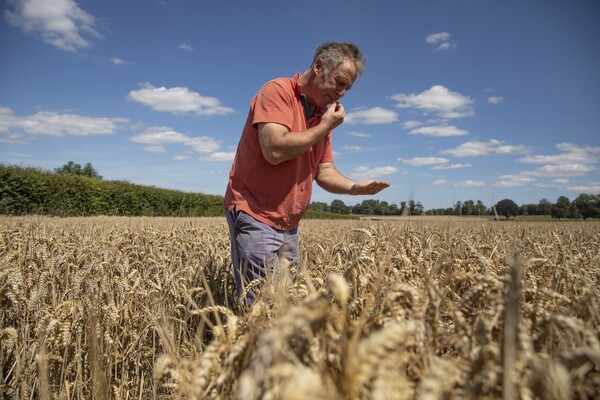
[[333, 85]]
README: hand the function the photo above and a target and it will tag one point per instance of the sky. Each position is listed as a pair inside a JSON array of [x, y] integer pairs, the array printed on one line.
[[461, 100]]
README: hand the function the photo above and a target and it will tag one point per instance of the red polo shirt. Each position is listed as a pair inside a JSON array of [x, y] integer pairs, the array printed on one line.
[[277, 195]]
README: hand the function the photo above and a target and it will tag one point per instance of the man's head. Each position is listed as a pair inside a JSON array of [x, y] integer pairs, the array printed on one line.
[[333, 71], [333, 54]]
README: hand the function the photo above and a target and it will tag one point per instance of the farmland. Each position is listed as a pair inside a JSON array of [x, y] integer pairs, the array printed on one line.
[[128, 308]]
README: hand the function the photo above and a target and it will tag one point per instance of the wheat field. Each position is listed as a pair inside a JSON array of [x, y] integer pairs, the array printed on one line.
[[143, 308]]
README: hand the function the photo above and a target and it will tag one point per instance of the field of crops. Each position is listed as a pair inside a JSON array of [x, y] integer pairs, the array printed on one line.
[[143, 308]]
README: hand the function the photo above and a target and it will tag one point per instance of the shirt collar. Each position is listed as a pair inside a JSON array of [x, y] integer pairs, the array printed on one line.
[[318, 111]]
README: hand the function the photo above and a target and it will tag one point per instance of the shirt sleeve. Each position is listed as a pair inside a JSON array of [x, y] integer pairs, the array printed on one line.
[[273, 103]]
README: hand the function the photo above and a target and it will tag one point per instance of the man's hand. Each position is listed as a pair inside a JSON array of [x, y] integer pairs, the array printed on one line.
[[334, 116], [368, 187]]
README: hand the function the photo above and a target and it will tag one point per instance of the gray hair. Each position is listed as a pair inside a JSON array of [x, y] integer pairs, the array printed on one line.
[[334, 53]]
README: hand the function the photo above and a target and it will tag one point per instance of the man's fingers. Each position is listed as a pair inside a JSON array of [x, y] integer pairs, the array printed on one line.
[[373, 187], [378, 187]]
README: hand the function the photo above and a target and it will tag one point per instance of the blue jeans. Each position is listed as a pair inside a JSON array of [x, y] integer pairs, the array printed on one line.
[[256, 249]]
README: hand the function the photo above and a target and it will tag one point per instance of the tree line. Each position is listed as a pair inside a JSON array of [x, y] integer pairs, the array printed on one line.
[[584, 206], [73, 190], [369, 207]]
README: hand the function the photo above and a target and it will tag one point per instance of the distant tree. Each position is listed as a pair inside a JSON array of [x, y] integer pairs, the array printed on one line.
[[544, 207], [468, 207], [530, 209], [588, 205], [74, 168], [338, 207], [403, 209], [574, 211], [507, 208], [319, 206], [412, 207], [562, 208], [480, 208], [383, 208], [458, 208], [367, 207], [89, 170], [418, 209], [69, 168]]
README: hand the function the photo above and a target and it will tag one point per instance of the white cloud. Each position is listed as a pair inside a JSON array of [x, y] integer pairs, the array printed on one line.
[[219, 156], [60, 23], [438, 182], [13, 138], [563, 170], [118, 61], [469, 183], [363, 172], [509, 149], [439, 100], [411, 124], [438, 163], [495, 99], [555, 183], [352, 148], [181, 157], [448, 46], [371, 116], [186, 47], [591, 188], [421, 161], [160, 135], [203, 144], [436, 38], [451, 166], [359, 134], [46, 123], [476, 148], [514, 181], [572, 160], [571, 153], [442, 40], [439, 131], [154, 149], [178, 100]]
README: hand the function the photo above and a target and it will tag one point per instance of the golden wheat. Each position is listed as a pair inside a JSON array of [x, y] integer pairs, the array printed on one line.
[[430, 309]]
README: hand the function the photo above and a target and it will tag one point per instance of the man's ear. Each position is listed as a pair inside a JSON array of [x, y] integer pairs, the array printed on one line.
[[318, 66]]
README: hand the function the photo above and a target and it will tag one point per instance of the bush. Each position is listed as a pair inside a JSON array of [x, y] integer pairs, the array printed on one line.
[[33, 191]]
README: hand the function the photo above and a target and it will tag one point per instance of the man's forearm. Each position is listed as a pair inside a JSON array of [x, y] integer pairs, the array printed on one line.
[[279, 145], [331, 180]]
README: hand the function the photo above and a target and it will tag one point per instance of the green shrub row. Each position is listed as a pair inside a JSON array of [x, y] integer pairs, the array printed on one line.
[[33, 191]]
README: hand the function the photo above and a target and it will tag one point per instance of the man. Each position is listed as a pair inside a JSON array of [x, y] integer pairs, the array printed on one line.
[[285, 144]]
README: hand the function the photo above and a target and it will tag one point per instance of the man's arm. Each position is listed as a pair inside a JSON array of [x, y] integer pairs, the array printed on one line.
[[279, 144], [330, 179]]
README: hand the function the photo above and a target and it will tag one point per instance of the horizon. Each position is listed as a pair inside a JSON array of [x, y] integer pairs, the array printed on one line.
[[350, 205]]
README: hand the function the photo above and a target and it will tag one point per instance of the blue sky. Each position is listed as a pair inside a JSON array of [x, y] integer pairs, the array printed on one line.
[[461, 100]]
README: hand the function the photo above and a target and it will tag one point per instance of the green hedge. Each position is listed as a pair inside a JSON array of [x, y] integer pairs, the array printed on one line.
[[318, 214], [33, 191]]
